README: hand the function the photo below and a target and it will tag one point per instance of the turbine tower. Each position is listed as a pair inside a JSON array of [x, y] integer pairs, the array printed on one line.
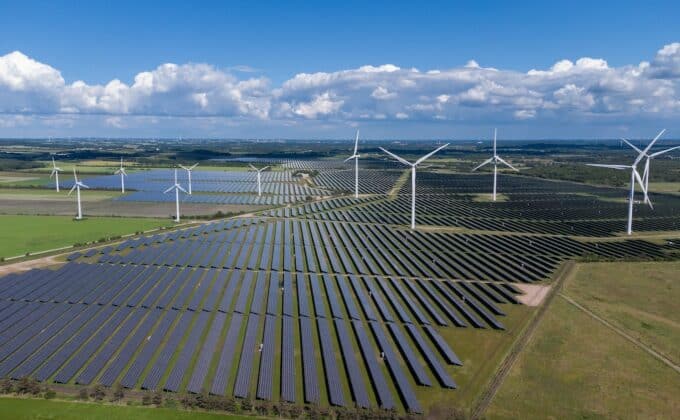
[[189, 169], [177, 189], [76, 186], [634, 176], [355, 156], [55, 174], [648, 158], [413, 177], [259, 180], [495, 159], [123, 174]]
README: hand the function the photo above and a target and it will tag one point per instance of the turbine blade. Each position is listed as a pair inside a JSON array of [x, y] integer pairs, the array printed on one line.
[[402, 160], [489, 160], [649, 146], [600, 165], [506, 164], [184, 167], [632, 145], [181, 189], [252, 166], [168, 190], [664, 151], [422, 159], [193, 166], [83, 185], [72, 188], [350, 158], [53, 172], [266, 167]]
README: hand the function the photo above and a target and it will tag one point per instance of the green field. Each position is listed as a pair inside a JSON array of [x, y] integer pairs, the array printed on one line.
[[576, 367], [49, 194], [20, 409], [21, 234]]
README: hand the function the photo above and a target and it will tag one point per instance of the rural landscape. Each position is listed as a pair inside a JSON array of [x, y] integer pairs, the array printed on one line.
[[308, 293], [339, 210]]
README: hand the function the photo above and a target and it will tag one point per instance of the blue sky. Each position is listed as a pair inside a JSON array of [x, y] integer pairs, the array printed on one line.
[[255, 50]]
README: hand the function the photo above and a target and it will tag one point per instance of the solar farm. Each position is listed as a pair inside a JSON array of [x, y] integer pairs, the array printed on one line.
[[319, 298]]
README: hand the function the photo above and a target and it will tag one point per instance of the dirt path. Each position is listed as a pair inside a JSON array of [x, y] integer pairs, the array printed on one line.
[[534, 294], [28, 265], [622, 333]]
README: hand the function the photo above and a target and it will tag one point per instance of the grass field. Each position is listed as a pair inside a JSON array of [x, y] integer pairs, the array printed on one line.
[[24, 409], [664, 187], [21, 234], [575, 367], [44, 194], [481, 351]]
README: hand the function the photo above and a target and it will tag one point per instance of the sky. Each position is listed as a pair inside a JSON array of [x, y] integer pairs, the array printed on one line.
[[300, 69]]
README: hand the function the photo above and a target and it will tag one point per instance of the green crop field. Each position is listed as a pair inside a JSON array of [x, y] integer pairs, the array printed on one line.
[[21, 234], [575, 366], [20, 409]]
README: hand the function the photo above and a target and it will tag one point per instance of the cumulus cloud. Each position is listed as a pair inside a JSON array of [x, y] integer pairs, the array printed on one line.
[[568, 90]]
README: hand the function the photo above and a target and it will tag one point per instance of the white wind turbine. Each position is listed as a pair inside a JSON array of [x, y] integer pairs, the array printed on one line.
[[76, 186], [413, 177], [55, 174], [259, 178], [355, 156], [634, 176], [648, 158], [189, 169], [495, 159], [177, 189], [123, 174]]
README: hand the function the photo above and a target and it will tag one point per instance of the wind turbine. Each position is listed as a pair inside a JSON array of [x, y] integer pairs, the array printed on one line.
[[123, 174], [495, 159], [355, 156], [177, 189], [76, 186], [648, 158], [259, 180], [413, 177], [189, 169], [55, 174], [634, 176]]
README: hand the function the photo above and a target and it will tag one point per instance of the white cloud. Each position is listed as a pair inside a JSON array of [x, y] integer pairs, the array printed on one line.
[[323, 104], [573, 91]]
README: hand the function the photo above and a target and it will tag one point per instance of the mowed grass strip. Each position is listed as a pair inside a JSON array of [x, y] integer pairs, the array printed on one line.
[[20, 409], [22, 234]]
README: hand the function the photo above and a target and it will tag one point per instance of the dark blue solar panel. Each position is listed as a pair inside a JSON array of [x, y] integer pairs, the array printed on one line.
[[227, 355]]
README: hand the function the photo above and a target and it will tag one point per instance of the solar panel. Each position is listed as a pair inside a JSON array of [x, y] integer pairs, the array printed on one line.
[[227, 355], [309, 362]]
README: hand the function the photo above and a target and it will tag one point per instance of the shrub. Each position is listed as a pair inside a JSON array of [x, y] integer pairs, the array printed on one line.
[[146, 399], [83, 394], [28, 386], [247, 405], [157, 398], [6, 386], [98, 392], [49, 394], [118, 392]]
